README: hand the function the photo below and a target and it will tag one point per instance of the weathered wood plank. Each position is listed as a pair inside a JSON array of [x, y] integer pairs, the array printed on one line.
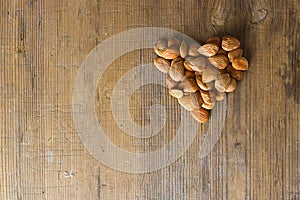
[[43, 43]]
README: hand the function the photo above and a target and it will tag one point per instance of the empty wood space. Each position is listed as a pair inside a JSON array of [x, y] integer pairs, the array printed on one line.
[[43, 44]]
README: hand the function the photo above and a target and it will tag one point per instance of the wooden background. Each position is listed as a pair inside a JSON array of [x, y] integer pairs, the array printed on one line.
[[42, 46]]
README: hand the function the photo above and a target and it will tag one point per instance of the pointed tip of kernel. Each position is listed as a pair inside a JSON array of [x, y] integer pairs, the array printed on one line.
[[201, 115]]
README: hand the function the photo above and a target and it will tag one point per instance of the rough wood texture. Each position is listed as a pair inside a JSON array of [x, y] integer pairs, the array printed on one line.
[[42, 46]]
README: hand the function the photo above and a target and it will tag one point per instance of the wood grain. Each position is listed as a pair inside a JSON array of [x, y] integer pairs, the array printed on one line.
[[43, 43]]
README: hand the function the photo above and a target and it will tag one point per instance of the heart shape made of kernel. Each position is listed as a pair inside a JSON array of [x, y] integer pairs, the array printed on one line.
[[198, 76]]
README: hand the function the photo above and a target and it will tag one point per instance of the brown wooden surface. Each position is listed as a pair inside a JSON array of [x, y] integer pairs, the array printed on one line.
[[42, 46]]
